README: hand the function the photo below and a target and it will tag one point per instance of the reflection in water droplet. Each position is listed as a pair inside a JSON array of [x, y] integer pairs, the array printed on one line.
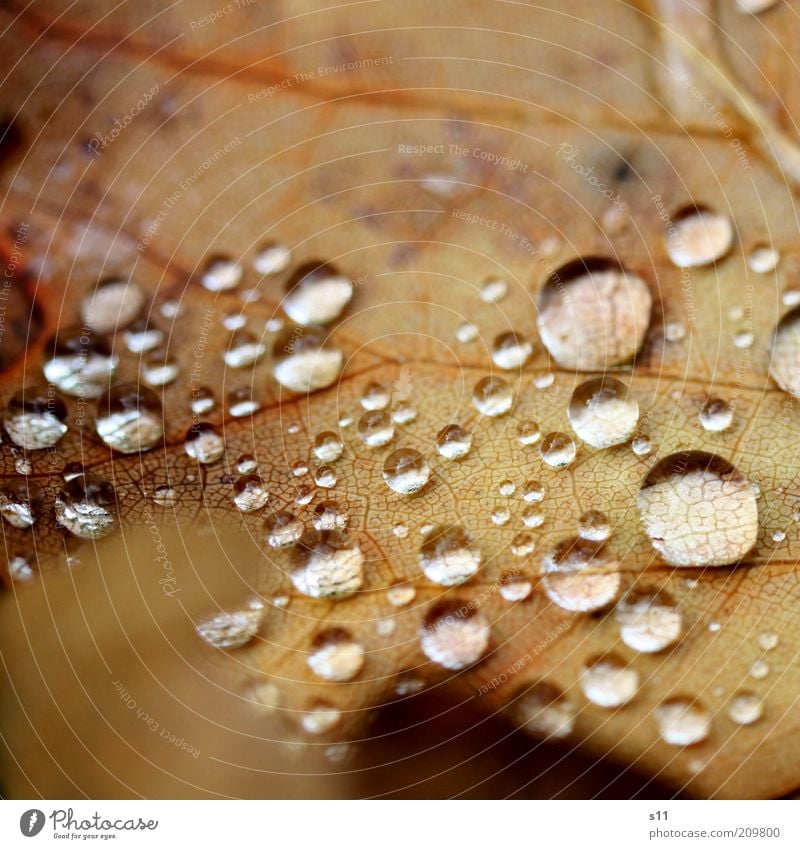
[[648, 621], [327, 564], [698, 237], [698, 510], [22, 502], [545, 711], [114, 304], [608, 681], [603, 413], [317, 293], [86, 506], [272, 258], [221, 274], [203, 443], [79, 363], [282, 529], [235, 629], [250, 493], [375, 428], [716, 415], [453, 442], [35, 418], [593, 314], [447, 555], [557, 450], [328, 446], [403, 413], [336, 656], [682, 722], [510, 350], [130, 418], [578, 575], [406, 471], [492, 396], [745, 708], [306, 360], [454, 634]]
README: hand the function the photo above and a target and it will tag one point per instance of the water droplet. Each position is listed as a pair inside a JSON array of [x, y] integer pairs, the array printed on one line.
[[532, 517], [165, 496], [317, 293], [593, 525], [545, 711], [674, 331], [327, 564], [543, 381], [763, 259], [306, 360], [603, 413], [522, 544], [515, 587], [791, 297], [328, 446], [234, 321], [375, 428], [242, 403], [447, 555], [400, 530], [507, 488], [250, 493], [557, 450], [22, 502], [698, 510], [533, 491], [759, 670], [453, 442], [743, 339], [648, 621], [203, 400], [72, 470], [142, 336], [754, 7], [466, 332], [682, 722], [528, 433], [784, 366], [86, 506], [23, 466], [767, 640], [20, 569], [235, 629], [158, 368], [501, 516], [328, 516], [577, 575], [494, 289], [745, 708], [385, 627], [221, 274], [454, 635], [778, 536], [375, 397], [403, 413], [406, 471], [36, 417], [325, 477], [244, 349], [593, 314], [510, 350], [492, 396], [401, 595], [336, 656], [299, 468], [321, 719], [282, 530], [114, 304], [716, 415], [608, 681], [303, 495], [272, 258], [79, 363], [698, 237], [130, 418], [203, 443], [641, 446]]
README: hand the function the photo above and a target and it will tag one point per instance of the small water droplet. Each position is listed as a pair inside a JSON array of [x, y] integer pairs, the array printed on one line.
[[454, 635], [404, 413], [321, 719], [511, 351], [327, 564], [317, 293], [282, 529], [336, 656], [375, 428], [682, 722], [23, 466], [328, 446], [22, 502], [250, 493], [86, 506], [328, 516], [557, 450], [448, 556], [400, 530], [114, 304], [325, 477], [453, 442], [244, 349], [608, 681], [767, 640], [759, 670], [221, 274], [159, 368], [577, 575], [545, 711], [492, 396], [20, 570], [533, 491], [698, 237], [743, 339], [401, 595], [79, 363], [375, 397], [515, 587], [507, 488], [763, 259], [501, 516], [745, 708], [603, 413], [648, 621], [203, 400], [716, 415], [494, 289], [466, 332], [165, 496], [406, 471], [528, 433], [306, 360], [532, 517], [232, 630], [543, 381], [272, 258], [203, 443], [593, 525], [674, 331], [35, 418], [522, 544], [241, 402], [641, 446], [130, 418]]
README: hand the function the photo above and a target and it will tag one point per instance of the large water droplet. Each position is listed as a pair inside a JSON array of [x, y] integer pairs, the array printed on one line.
[[593, 314], [130, 418], [232, 630], [492, 396], [648, 621], [86, 506], [317, 293], [114, 304], [698, 236], [35, 418], [603, 413], [698, 510], [682, 722], [454, 634], [80, 363], [577, 575], [608, 681], [406, 471], [305, 359], [336, 656], [545, 711], [327, 564], [448, 556]]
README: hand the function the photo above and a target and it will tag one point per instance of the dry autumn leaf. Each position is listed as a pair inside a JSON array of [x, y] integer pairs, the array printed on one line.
[[442, 350]]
